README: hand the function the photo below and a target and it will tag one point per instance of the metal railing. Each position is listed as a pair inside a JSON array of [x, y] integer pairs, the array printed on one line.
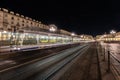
[[113, 63]]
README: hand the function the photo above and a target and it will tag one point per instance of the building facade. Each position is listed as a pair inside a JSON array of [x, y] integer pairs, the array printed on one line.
[[16, 29], [10, 21]]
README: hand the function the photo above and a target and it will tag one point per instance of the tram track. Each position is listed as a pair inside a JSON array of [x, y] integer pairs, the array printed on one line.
[[47, 75], [85, 67], [25, 57], [40, 65]]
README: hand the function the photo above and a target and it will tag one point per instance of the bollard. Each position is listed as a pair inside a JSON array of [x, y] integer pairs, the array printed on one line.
[[101, 51], [104, 54], [108, 61]]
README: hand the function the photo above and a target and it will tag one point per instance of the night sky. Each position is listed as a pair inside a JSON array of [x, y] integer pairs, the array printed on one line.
[[82, 17]]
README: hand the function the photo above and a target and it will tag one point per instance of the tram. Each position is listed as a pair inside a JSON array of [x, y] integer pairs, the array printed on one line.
[[34, 38]]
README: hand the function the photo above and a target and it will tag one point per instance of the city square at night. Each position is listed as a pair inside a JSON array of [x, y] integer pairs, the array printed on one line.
[[59, 40]]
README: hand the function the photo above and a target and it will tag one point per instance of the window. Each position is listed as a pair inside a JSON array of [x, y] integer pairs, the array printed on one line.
[[12, 18], [6, 15], [23, 21], [5, 20], [22, 24], [12, 22], [17, 24]]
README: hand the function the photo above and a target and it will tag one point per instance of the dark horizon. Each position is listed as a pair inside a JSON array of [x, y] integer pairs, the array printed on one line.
[[90, 17]]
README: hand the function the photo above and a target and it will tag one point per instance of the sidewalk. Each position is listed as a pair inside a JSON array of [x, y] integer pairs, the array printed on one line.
[[88, 66], [106, 75], [83, 67]]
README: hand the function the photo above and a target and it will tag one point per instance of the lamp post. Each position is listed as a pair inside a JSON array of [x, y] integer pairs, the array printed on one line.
[[112, 32], [15, 33], [13, 37], [82, 37], [51, 29], [72, 34]]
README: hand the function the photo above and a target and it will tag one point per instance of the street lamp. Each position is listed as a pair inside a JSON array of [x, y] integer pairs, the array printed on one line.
[[112, 32], [72, 34], [52, 29], [81, 36]]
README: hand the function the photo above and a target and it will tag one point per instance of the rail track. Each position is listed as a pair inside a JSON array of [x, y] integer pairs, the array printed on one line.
[[22, 57], [24, 71]]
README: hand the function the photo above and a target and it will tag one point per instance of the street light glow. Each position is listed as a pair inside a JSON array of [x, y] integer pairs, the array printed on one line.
[[82, 36], [52, 29], [73, 34], [112, 31]]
